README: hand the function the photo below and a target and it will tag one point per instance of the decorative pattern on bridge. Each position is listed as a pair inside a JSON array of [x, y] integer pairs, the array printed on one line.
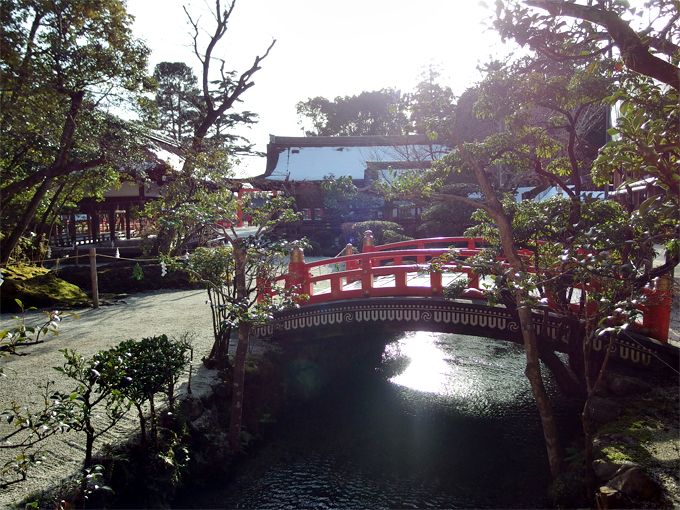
[[350, 317]]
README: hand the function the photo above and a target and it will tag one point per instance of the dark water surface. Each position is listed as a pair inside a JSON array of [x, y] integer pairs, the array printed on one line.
[[457, 428]]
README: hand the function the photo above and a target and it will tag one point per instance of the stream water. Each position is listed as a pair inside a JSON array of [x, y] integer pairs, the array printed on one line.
[[456, 427]]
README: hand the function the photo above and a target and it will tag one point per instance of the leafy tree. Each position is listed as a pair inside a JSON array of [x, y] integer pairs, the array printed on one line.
[[646, 143], [175, 108], [209, 150], [30, 427], [383, 231], [379, 112], [432, 109], [239, 277], [646, 38], [64, 64], [339, 195]]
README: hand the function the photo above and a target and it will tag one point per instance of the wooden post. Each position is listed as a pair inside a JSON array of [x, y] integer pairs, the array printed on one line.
[[297, 271], [112, 224], [127, 222], [93, 277], [656, 318], [368, 244]]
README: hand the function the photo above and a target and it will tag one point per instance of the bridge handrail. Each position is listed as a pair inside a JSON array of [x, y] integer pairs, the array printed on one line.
[[421, 256], [364, 280], [471, 243]]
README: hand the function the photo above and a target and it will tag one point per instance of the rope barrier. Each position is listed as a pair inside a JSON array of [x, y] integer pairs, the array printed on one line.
[[87, 255]]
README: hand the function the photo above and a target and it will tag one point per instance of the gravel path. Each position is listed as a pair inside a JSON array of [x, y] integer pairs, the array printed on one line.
[[138, 316]]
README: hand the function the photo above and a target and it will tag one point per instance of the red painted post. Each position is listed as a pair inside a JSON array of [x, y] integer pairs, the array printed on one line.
[[264, 288], [239, 209], [436, 283], [368, 244], [350, 264], [473, 280], [366, 277], [297, 271], [656, 317]]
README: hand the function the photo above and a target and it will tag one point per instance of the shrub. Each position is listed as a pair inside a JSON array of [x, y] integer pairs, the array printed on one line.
[[151, 365], [382, 231]]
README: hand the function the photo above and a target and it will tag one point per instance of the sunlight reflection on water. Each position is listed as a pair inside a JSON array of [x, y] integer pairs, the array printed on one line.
[[429, 369]]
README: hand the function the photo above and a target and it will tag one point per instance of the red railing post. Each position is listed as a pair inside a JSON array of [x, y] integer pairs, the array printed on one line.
[[436, 283], [297, 271], [366, 277], [368, 244], [656, 318], [264, 288], [473, 280]]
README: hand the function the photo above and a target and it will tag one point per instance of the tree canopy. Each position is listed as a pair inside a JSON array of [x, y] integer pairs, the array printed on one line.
[[65, 63]]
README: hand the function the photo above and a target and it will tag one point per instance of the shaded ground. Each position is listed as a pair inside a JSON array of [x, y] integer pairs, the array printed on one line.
[[138, 316]]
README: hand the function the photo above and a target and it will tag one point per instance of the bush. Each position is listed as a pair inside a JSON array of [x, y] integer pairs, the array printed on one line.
[[383, 232], [151, 366]]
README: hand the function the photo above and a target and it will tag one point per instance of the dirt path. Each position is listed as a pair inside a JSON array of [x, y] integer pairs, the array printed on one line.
[[138, 316]]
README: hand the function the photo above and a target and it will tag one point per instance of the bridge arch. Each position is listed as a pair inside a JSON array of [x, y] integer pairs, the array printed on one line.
[[448, 316]]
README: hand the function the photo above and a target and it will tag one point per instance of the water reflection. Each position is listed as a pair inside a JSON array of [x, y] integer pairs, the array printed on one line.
[[429, 368], [453, 425]]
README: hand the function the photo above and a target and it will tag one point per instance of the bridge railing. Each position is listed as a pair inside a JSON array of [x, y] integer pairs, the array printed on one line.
[[471, 243], [402, 269], [375, 274]]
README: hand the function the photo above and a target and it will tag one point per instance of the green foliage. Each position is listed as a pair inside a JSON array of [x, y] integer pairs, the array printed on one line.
[[22, 332], [379, 112], [240, 274], [383, 231], [98, 392], [150, 366], [454, 289], [137, 272], [54, 108], [339, 196], [646, 138], [174, 110], [30, 427]]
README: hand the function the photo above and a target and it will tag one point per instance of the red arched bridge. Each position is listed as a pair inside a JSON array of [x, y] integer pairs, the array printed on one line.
[[392, 285]]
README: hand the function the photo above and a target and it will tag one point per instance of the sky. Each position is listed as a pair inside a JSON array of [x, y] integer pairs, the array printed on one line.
[[325, 48]]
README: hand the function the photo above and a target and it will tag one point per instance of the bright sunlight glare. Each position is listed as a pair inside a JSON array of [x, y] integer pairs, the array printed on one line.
[[327, 48], [428, 370]]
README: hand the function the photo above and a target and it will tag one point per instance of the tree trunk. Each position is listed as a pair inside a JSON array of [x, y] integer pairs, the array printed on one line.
[[26, 218], [533, 373], [565, 378], [244, 327], [142, 423], [238, 381], [533, 368], [61, 162]]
